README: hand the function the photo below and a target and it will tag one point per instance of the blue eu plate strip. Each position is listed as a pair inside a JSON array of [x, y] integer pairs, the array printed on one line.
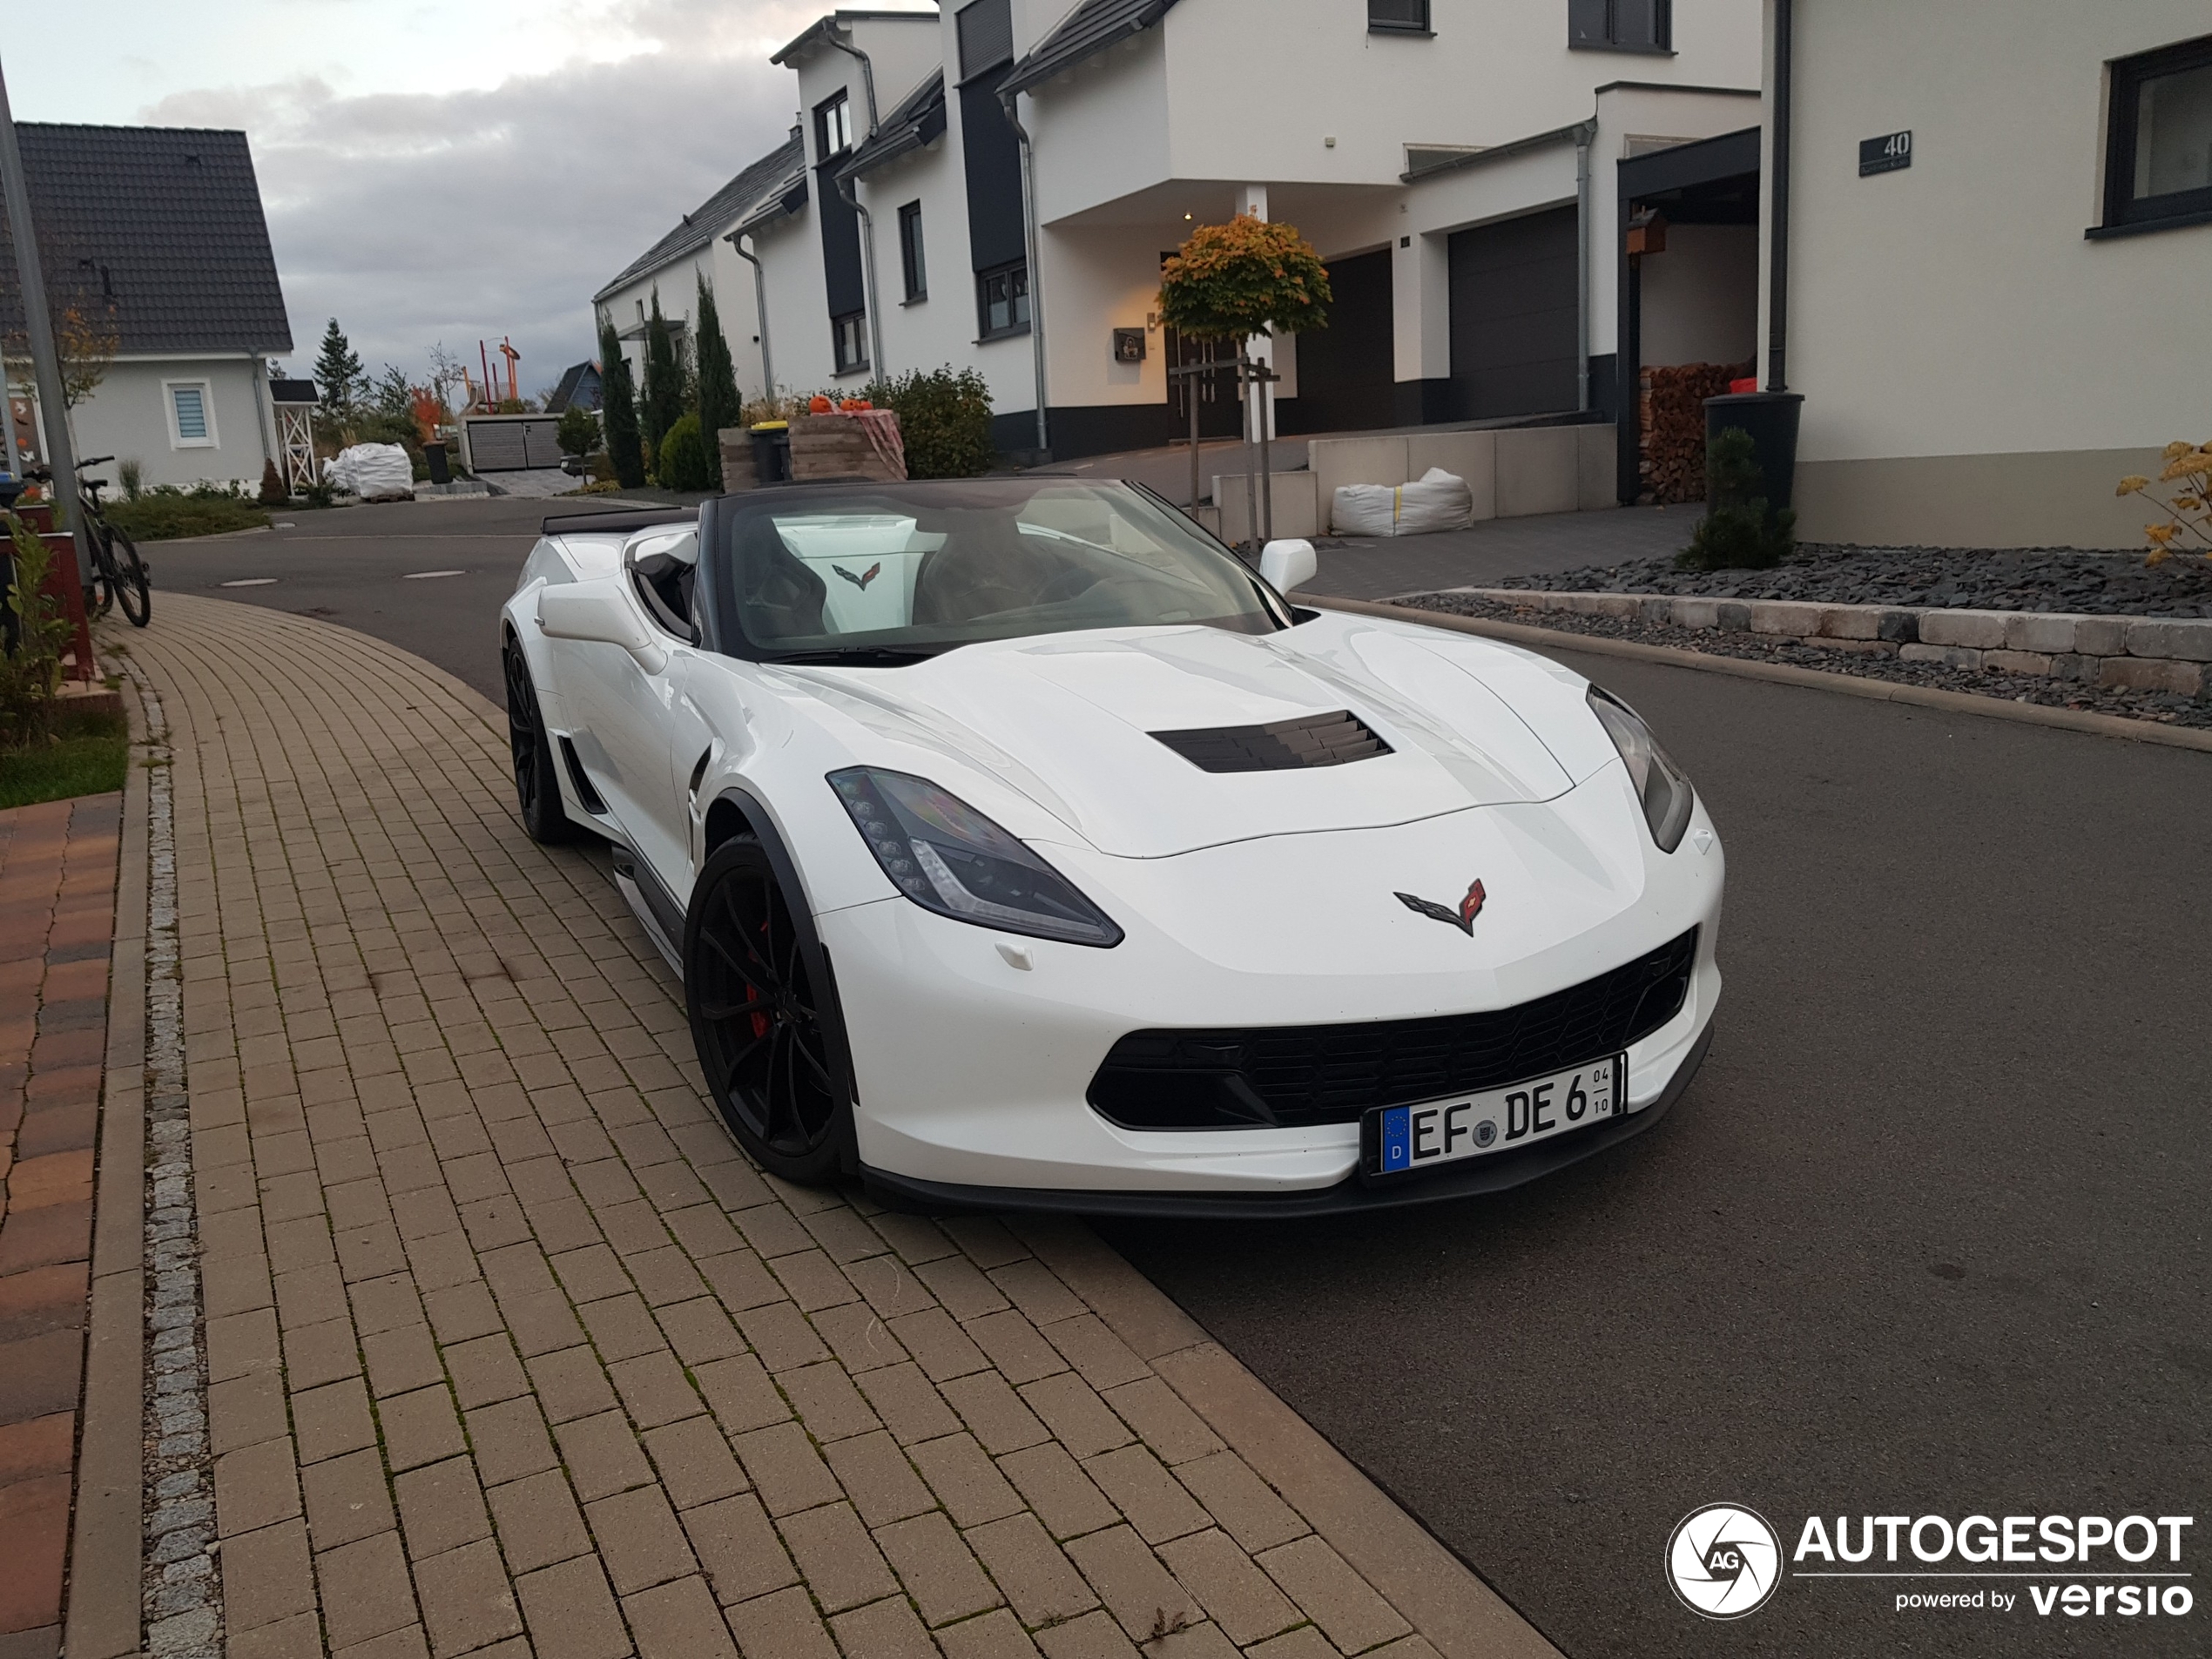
[[1397, 1138]]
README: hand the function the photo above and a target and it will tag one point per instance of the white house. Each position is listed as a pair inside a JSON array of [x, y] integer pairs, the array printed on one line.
[[155, 236], [1992, 275], [1455, 162]]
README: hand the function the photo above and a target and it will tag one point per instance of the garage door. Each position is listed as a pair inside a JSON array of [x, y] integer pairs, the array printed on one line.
[[1514, 330], [510, 443]]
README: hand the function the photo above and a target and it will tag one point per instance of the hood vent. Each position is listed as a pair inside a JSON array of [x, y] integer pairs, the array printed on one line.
[[1285, 746]]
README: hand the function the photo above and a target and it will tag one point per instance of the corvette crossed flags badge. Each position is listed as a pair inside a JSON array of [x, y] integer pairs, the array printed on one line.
[[1463, 918]]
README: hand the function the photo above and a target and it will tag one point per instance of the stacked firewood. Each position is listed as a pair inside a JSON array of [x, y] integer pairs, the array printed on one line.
[[1674, 426]]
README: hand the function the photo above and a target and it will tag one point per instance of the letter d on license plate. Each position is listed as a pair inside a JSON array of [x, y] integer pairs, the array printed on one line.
[[1404, 1140]]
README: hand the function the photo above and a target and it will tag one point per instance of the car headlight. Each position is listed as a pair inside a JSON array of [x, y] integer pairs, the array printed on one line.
[[1660, 785], [947, 857]]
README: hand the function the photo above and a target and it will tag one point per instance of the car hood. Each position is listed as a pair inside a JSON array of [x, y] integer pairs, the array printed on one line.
[[1069, 721]]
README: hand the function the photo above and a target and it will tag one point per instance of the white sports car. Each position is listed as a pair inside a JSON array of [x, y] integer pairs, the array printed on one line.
[[1019, 845]]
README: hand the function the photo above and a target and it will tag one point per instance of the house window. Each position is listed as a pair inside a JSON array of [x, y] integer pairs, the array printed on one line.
[[911, 259], [1003, 296], [986, 36], [191, 421], [1398, 16], [2159, 151], [851, 333], [832, 128], [1620, 25]]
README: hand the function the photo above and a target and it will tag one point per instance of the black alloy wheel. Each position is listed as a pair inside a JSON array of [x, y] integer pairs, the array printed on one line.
[[537, 791], [768, 1041], [132, 583]]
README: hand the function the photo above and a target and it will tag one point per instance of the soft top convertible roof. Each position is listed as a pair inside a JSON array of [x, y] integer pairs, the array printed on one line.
[[635, 518]]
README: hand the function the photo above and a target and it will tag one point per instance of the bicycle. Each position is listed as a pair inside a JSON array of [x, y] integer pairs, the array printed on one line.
[[119, 574]]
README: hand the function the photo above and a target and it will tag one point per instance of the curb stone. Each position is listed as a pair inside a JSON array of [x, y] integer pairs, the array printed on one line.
[[1555, 639]]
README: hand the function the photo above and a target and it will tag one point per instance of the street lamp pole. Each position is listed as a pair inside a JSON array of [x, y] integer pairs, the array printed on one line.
[[53, 402]]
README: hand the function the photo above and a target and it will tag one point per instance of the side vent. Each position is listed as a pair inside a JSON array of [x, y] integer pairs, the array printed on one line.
[[586, 795], [1285, 746]]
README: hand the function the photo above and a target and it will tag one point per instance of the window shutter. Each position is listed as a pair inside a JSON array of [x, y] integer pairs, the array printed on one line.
[[986, 36], [192, 413]]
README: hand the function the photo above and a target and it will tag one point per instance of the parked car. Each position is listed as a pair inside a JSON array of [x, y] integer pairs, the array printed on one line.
[[1021, 846]]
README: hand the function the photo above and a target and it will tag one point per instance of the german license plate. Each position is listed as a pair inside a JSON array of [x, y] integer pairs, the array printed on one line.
[[1405, 1140]]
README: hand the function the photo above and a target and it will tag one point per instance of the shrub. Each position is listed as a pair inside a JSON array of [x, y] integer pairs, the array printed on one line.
[[1739, 532], [2188, 511], [131, 475], [162, 514], [719, 403], [30, 670], [272, 492], [944, 420], [682, 462]]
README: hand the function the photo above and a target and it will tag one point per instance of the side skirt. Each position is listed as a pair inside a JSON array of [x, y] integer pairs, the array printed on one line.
[[652, 904]]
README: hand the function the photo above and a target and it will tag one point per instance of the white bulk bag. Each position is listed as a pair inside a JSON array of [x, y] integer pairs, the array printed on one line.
[[372, 471], [1438, 501]]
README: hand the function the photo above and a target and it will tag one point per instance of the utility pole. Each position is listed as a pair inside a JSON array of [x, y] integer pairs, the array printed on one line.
[[53, 402]]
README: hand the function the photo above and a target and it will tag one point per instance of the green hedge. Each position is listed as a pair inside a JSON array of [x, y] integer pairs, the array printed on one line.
[[944, 420], [162, 514]]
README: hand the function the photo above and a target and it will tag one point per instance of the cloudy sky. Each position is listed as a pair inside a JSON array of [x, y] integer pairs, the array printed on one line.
[[438, 173]]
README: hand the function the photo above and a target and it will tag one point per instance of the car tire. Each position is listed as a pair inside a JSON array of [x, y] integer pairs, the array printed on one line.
[[537, 788], [765, 1021]]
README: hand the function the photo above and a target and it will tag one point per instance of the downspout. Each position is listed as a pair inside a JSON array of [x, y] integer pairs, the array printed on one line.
[[1010, 101], [1777, 303], [760, 300], [262, 417], [1582, 137], [844, 188]]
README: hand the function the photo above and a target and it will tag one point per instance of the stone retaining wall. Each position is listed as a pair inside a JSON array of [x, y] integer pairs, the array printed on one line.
[[2137, 653]]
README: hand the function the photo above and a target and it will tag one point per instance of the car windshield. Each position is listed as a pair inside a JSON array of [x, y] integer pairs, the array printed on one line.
[[885, 574]]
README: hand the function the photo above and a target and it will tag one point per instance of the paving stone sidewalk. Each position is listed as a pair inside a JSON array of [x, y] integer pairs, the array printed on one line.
[[509, 1351], [57, 864]]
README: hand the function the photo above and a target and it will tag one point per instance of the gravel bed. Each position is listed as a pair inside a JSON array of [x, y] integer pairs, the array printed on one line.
[[2024, 579], [2163, 706]]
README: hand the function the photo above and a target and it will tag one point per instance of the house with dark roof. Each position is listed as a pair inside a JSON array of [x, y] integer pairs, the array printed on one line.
[[579, 389], [695, 249], [967, 179], [154, 238]]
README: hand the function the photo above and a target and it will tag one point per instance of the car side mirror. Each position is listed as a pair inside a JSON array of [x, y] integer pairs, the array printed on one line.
[[1288, 564], [600, 612]]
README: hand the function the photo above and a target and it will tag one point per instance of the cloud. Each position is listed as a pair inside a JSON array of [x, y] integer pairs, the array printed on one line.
[[421, 218]]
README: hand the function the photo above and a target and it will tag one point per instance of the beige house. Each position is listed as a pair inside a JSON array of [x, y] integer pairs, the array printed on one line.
[[1999, 240]]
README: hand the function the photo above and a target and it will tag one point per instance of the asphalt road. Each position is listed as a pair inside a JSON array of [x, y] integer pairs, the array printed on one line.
[[381, 569], [1928, 1236]]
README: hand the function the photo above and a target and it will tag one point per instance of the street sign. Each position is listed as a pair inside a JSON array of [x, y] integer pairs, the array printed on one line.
[[1888, 153]]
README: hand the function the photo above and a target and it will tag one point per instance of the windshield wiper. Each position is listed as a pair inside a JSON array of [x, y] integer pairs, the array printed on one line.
[[853, 656]]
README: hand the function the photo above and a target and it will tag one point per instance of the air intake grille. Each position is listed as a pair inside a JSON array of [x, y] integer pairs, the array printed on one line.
[[1295, 1076], [1287, 745]]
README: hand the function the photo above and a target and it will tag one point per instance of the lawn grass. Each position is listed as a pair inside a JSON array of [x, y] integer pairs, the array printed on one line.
[[162, 517], [89, 756]]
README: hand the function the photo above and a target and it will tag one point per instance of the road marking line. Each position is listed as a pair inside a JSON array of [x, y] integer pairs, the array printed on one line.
[[250, 581], [426, 576]]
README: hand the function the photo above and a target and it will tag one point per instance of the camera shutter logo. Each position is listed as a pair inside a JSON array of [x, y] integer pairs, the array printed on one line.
[[1723, 1561]]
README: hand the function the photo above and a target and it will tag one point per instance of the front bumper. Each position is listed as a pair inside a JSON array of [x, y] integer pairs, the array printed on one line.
[[973, 1051], [1358, 1193]]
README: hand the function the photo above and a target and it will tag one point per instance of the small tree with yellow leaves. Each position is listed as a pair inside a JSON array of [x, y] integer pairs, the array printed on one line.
[[2187, 524], [1231, 281]]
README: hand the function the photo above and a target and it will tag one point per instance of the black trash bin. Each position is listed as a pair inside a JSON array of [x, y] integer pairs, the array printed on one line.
[[434, 457], [772, 452], [1771, 419]]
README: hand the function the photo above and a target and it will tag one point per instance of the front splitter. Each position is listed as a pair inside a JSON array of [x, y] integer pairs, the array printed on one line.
[[1357, 1193]]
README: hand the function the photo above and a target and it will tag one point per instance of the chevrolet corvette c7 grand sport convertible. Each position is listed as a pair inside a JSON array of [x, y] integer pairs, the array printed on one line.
[[1021, 846]]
